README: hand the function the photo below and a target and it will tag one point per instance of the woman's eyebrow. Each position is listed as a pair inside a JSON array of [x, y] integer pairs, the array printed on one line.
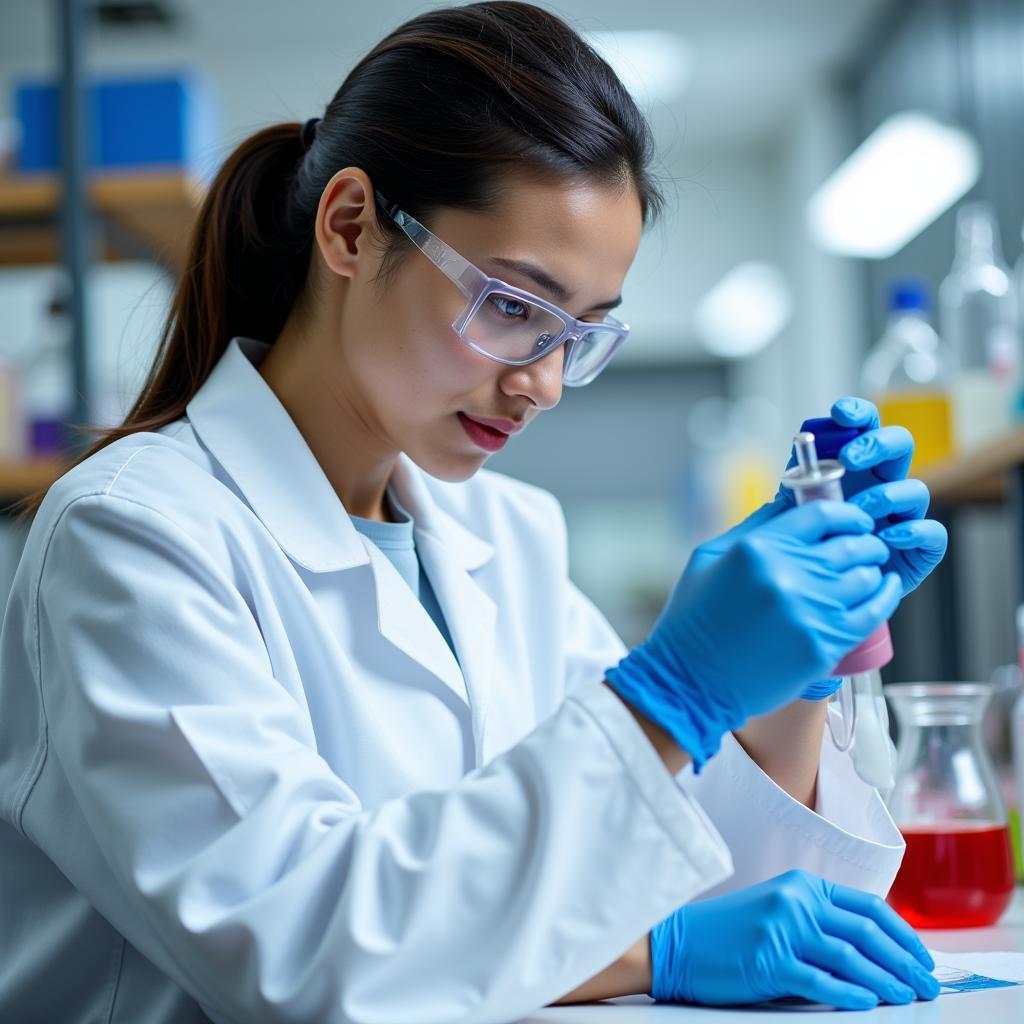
[[547, 282]]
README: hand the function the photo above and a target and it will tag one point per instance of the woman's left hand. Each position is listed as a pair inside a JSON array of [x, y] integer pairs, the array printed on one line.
[[877, 463]]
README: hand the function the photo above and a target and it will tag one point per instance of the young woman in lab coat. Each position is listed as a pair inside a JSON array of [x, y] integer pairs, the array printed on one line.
[[302, 717]]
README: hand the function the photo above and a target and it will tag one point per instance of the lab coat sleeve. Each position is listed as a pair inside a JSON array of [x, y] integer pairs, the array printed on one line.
[[230, 855], [849, 838]]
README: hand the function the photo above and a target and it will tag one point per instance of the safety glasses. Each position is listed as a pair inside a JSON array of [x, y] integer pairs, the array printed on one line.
[[508, 324]]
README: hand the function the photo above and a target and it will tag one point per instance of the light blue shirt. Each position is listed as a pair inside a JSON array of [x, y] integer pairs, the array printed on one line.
[[397, 542]]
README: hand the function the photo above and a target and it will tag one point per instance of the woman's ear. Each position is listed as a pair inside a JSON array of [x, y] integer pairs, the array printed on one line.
[[345, 222]]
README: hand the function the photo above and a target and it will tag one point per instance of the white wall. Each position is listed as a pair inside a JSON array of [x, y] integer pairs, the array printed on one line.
[[817, 358], [722, 209]]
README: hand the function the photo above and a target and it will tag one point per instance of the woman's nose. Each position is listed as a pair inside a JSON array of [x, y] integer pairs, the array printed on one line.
[[541, 381]]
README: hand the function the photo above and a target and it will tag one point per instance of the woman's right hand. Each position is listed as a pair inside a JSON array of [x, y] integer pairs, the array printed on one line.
[[777, 611]]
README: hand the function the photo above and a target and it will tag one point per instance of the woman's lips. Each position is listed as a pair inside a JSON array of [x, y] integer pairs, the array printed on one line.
[[488, 438]]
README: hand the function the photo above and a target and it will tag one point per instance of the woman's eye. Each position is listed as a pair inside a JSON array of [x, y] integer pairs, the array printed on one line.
[[512, 308]]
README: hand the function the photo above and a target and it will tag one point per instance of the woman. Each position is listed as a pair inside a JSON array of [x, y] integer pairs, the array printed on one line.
[[303, 719]]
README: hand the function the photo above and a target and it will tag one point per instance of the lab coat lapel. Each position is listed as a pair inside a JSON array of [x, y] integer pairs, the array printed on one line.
[[470, 614], [403, 621], [451, 556]]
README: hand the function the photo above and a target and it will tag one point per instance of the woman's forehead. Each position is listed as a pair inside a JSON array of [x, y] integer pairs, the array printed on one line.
[[583, 232]]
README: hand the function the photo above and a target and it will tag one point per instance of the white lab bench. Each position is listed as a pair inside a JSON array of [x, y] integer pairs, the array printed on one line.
[[989, 1006]]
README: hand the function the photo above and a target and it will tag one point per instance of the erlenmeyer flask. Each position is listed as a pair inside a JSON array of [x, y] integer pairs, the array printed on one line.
[[958, 868]]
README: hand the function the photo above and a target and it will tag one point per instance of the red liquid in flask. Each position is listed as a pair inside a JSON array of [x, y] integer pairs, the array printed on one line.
[[954, 876]]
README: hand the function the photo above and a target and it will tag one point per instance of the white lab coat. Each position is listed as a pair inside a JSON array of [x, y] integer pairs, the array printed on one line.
[[241, 770]]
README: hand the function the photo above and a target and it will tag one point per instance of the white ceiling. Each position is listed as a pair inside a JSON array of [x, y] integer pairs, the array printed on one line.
[[752, 58]]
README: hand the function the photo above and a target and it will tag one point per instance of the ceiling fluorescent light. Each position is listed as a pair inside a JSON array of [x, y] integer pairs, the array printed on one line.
[[910, 169], [652, 65], [744, 311]]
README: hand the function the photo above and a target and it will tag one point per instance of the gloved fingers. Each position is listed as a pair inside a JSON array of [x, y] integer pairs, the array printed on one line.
[[846, 961], [819, 520], [876, 945], [885, 451], [851, 411], [762, 515], [710, 550], [874, 907], [841, 553], [706, 553], [896, 501], [854, 586], [866, 617], [800, 979], [927, 536]]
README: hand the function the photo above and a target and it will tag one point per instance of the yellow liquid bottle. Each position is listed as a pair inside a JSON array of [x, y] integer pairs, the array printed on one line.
[[908, 375], [928, 415]]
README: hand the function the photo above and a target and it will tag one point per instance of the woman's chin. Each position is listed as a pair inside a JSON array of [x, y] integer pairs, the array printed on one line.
[[449, 467]]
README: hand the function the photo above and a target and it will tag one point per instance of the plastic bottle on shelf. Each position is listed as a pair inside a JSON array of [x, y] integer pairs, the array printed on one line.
[[978, 319], [47, 380], [908, 374]]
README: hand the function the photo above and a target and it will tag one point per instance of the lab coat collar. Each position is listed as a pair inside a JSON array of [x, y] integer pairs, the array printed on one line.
[[241, 421], [410, 486]]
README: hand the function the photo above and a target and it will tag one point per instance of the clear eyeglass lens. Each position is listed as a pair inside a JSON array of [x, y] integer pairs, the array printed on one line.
[[590, 353], [513, 328]]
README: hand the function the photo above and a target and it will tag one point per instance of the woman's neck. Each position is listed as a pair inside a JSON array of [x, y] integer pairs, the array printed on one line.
[[304, 371]]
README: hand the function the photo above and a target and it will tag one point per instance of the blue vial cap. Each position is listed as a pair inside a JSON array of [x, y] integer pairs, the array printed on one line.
[[908, 294], [829, 436]]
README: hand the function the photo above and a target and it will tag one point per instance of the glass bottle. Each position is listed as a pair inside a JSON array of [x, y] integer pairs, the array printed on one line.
[[978, 319], [908, 375], [958, 868]]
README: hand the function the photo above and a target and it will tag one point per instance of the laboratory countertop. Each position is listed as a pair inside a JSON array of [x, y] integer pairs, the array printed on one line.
[[993, 1006]]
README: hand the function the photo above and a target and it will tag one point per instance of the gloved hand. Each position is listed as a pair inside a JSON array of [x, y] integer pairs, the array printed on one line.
[[794, 935], [877, 463], [777, 611], [879, 455]]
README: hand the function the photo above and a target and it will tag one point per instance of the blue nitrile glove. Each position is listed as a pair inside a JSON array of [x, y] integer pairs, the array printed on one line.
[[877, 463], [710, 551], [879, 455], [776, 612], [794, 935]]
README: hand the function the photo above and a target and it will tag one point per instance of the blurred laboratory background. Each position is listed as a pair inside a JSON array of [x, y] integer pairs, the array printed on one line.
[[845, 205]]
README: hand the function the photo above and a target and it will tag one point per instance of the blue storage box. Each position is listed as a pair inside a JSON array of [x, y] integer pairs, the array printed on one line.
[[165, 121]]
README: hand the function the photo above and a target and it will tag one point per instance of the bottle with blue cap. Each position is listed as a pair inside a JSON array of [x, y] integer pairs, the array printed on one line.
[[908, 375]]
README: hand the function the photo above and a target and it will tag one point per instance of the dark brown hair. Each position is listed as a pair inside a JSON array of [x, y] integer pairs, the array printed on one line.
[[434, 114]]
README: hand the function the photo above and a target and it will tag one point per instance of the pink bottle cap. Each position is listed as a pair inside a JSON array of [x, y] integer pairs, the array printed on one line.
[[875, 652]]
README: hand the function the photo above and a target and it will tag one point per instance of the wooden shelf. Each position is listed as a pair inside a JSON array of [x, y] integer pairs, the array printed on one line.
[[145, 213], [979, 476], [22, 477]]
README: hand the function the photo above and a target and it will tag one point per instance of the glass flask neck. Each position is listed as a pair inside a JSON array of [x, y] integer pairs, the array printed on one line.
[[939, 703], [944, 775]]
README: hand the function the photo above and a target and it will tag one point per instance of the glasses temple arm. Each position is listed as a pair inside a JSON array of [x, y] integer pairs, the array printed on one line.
[[466, 277]]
